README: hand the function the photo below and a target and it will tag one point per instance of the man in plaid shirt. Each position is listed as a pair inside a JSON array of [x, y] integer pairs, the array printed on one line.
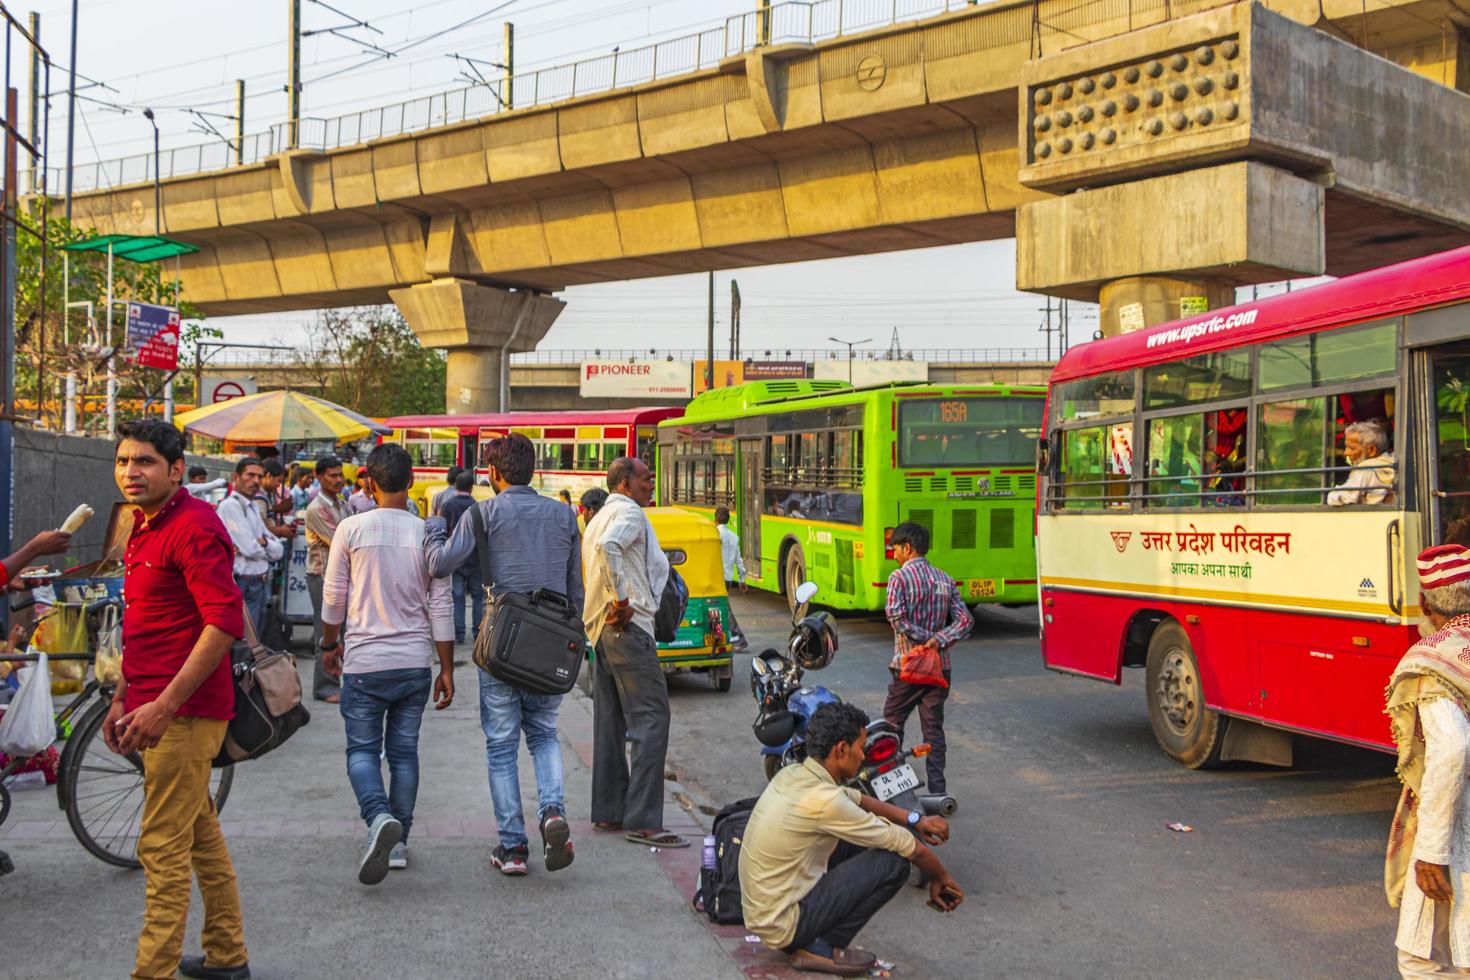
[[925, 609]]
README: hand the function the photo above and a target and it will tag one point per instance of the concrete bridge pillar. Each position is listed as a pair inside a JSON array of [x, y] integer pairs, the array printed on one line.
[[479, 326], [1219, 150]]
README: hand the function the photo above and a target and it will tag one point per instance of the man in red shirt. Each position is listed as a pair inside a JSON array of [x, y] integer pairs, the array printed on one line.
[[183, 612]]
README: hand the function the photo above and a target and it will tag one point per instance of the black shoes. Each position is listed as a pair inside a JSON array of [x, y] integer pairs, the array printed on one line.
[[556, 841], [193, 966]]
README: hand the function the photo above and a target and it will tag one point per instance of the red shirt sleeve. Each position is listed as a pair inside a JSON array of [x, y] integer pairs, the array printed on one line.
[[4, 576], [208, 569]]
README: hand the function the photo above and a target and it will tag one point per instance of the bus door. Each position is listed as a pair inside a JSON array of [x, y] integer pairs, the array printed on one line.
[[752, 496], [469, 449], [1449, 444]]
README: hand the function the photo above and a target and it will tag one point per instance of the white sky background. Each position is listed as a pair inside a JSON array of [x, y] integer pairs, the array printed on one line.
[[173, 54]]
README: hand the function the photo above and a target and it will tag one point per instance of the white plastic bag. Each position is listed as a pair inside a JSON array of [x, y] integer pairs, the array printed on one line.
[[108, 666], [29, 726]]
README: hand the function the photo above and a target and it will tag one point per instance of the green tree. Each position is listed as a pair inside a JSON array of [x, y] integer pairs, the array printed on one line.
[[50, 343], [369, 359]]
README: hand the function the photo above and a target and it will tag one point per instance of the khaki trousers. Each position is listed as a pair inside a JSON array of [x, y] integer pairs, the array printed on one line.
[[180, 834], [1412, 967]]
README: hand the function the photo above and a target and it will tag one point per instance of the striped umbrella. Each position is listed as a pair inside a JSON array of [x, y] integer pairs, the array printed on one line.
[[278, 416]]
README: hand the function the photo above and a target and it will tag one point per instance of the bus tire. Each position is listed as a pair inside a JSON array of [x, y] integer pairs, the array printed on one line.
[[793, 574], [1186, 730]]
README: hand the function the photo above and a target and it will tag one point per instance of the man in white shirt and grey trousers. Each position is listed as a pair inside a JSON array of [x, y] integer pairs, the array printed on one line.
[[377, 582], [626, 571], [256, 549]]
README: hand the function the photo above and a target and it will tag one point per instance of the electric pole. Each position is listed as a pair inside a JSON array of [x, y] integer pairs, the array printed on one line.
[[709, 356], [509, 54], [239, 120], [33, 131], [734, 320], [293, 77], [71, 107]]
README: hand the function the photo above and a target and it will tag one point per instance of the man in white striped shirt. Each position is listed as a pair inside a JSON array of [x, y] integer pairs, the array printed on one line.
[[377, 582]]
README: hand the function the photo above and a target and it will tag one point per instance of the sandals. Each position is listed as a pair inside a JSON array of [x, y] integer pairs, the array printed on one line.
[[608, 827], [656, 838]]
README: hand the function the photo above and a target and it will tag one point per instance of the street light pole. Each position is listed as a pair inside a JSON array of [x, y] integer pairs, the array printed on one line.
[[71, 110], [850, 345], [157, 185]]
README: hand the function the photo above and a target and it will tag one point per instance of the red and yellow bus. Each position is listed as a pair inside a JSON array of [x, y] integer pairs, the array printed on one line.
[[1187, 521], [573, 449]]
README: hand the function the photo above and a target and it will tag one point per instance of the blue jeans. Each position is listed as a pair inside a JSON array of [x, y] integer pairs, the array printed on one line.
[[504, 712], [384, 703], [256, 593], [467, 580]]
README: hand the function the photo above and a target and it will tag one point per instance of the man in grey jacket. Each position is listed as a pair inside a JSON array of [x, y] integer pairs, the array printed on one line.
[[531, 543], [626, 572]]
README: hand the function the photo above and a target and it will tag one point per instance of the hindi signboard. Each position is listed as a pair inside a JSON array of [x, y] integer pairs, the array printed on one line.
[[153, 335], [635, 379], [767, 370]]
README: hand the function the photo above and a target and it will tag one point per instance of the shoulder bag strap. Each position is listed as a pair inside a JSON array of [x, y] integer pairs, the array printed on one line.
[[482, 543]]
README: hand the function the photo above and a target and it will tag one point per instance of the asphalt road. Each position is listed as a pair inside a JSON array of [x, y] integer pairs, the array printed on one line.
[[1061, 841], [1060, 844]]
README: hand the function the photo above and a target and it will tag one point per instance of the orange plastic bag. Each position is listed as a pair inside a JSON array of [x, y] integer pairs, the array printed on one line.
[[921, 664]]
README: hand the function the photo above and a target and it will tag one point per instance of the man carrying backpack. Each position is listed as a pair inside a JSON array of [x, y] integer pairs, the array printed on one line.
[[531, 542]]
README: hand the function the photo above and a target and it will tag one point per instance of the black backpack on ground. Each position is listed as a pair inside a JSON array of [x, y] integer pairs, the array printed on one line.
[[671, 608], [719, 888]]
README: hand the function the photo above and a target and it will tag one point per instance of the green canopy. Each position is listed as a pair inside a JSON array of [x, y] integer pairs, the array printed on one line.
[[134, 248]]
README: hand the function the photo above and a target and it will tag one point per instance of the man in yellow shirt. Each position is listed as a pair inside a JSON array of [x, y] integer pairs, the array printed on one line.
[[818, 860]]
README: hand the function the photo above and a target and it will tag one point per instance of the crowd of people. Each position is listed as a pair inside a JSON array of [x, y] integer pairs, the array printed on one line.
[[389, 593]]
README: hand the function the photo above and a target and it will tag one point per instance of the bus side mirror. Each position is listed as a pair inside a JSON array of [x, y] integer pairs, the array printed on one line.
[[1043, 456]]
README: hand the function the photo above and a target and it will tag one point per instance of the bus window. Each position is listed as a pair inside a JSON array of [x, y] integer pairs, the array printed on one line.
[[1335, 355], [556, 455], [646, 443], [1216, 376], [1174, 458], [968, 431], [1095, 466], [1106, 394], [1289, 436]]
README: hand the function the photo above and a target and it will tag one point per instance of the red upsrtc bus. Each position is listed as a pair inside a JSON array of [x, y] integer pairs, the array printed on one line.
[[1192, 518]]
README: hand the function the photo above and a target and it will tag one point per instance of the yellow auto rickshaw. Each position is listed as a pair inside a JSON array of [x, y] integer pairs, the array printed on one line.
[[706, 639]]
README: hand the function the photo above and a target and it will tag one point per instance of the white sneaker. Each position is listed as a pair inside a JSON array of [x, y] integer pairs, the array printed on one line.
[[384, 833], [398, 857]]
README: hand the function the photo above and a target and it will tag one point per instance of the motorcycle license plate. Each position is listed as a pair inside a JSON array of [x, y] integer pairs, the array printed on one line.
[[895, 781]]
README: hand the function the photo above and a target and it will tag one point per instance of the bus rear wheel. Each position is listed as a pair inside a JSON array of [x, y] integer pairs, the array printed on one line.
[[795, 574], [1187, 731]]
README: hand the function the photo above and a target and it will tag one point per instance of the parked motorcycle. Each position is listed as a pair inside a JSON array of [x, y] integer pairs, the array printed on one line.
[[786, 706]]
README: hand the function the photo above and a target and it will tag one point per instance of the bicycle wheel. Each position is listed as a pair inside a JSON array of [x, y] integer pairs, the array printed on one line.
[[104, 792]]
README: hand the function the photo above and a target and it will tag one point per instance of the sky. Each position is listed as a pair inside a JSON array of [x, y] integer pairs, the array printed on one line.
[[181, 58]]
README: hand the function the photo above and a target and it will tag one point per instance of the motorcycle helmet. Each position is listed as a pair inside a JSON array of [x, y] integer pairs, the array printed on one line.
[[814, 642], [774, 728]]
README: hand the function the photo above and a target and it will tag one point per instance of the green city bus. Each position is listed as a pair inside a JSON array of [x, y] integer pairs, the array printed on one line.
[[816, 475]]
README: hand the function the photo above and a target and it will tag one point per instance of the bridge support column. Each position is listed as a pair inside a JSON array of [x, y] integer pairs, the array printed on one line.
[[480, 327], [1164, 247]]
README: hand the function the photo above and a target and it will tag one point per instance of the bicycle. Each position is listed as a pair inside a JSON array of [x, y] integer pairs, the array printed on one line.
[[100, 791]]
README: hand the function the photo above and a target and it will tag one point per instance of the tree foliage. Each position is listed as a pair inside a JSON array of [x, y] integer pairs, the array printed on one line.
[[369, 359], [50, 343]]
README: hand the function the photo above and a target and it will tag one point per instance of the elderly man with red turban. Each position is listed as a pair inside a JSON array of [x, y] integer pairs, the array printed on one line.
[[1427, 870]]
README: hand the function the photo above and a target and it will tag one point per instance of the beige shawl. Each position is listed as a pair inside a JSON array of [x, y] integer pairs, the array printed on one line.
[[1435, 667]]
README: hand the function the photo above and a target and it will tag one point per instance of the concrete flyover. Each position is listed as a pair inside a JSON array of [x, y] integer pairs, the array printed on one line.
[[1144, 153]]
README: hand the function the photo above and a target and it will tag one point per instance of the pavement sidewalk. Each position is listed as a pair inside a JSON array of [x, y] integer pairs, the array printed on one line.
[[622, 910]]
